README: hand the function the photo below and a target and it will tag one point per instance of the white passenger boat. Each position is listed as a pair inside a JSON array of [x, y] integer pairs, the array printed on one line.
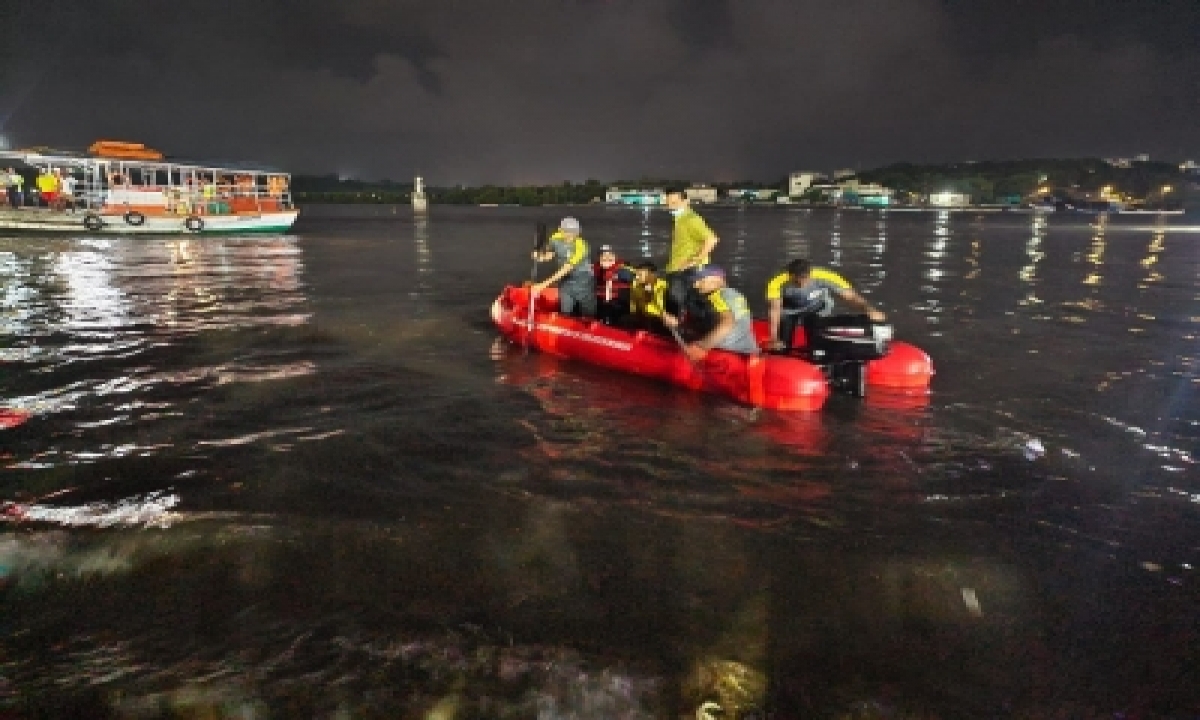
[[124, 188]]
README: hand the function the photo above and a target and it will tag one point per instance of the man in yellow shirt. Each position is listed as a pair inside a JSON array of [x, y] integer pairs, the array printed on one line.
[[802, 290], [692, 241]]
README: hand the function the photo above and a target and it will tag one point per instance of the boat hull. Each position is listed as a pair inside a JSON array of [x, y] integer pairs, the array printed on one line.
[[777, 382], [39, 220]]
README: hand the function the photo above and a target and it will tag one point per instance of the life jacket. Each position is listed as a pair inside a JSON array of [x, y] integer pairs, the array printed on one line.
[[611, 281]]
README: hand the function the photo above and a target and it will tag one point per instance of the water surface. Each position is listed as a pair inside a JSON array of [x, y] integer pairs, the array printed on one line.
[[299, 476]]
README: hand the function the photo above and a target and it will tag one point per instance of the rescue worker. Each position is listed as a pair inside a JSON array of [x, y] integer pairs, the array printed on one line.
[[647, 295], [733, 325], [803, 290], [612, 286], [576, 287], [692, 241]]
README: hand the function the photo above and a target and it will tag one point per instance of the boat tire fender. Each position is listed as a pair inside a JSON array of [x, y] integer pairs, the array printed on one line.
[[92, 222], [193, 224], [135, 218]]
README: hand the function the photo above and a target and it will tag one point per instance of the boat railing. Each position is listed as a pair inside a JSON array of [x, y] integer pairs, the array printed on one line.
[[102, 185]]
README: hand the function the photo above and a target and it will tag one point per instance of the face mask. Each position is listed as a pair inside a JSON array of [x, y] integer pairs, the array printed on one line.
[[676, 211]]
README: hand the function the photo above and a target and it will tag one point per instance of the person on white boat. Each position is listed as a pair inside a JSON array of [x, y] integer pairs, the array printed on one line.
[[47, 185], [66, 189], [15, 183]]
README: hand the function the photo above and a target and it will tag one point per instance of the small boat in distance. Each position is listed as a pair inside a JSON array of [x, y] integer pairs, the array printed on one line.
[[123, 188]]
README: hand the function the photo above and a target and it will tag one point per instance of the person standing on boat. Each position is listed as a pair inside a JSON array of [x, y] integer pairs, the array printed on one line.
[[733, 326], [576, 284], [15, 184], [612, 286], [804, 290], [692, 241], [47, 186]]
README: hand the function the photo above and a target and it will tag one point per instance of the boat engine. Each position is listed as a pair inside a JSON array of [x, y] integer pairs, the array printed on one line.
[[842, 345]]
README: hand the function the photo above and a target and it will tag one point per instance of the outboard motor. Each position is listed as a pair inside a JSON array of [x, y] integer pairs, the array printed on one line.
[[842, 345]]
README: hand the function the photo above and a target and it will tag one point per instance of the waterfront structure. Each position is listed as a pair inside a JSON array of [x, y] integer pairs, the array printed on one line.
[[949, 199], [751, 194], [843, 174], [701, 194], [419, 202], [125, 188], [635, 196], [799, 183]]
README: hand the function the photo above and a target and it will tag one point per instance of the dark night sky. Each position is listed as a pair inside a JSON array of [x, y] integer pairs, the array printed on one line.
[[523, 91]]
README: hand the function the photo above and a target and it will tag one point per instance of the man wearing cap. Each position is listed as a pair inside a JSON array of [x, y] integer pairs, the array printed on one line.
[[803, 290], [612, 286], [733, 329], [692, 241], [577, 288]]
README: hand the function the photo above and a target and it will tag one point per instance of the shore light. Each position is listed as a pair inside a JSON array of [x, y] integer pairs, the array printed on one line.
[[1166, 189]]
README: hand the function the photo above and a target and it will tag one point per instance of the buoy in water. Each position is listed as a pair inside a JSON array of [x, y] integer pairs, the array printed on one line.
[[10, 418]]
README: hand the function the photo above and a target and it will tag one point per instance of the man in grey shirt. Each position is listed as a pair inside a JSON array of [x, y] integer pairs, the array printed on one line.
[[733, 330]]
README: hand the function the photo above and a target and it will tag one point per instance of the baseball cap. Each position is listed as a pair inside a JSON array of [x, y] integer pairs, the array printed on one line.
[[709, 271], [569, 224]]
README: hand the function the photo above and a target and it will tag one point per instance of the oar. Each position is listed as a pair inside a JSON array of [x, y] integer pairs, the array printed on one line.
[[675, 334], [539, 242]]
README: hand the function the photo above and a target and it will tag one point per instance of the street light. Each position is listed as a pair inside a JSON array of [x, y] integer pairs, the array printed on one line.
[[1166, 189]]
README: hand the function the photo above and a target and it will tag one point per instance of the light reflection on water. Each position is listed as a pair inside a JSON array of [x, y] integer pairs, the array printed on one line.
[[300, 473]]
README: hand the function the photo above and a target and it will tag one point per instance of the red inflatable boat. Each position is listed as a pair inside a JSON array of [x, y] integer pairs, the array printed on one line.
[[772, 381]]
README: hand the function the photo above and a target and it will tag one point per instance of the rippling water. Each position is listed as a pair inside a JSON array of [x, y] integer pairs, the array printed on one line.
[[299, 476]]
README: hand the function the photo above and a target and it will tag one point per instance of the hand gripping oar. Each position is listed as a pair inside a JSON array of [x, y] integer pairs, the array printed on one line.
[[539, 242]]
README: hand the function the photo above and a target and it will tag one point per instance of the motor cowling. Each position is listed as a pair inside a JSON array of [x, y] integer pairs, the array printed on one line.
[[846, 338]]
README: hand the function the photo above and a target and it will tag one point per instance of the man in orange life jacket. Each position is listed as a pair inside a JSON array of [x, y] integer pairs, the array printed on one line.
[[612, 286]]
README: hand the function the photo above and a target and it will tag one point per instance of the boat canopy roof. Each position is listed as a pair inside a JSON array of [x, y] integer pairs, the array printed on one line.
[[107, 152]]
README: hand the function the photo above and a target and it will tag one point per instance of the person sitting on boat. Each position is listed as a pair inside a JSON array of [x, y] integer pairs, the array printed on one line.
[[803, 290], [733, 325], [47, 186], [612, 286], [647, 295], [692, 241], [576, 287]]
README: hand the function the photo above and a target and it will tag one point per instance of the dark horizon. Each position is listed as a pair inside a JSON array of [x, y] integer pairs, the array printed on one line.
[[566, 90]]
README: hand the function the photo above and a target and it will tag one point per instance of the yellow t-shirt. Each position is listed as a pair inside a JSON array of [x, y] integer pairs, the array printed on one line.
[[687, 239], [648, 302]]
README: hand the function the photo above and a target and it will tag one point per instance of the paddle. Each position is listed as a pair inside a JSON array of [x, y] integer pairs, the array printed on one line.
[[539, 243]]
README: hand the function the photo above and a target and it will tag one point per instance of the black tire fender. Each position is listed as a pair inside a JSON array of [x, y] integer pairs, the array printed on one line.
[[92, 222], [193, 224], [135, 218]]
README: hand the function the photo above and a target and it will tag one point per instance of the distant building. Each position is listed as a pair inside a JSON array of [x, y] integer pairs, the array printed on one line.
[[1189, 167], [751, 194], [635, 196], [1141, 158], [843, 173], [800, 182], [701, 194], [949, 199], [1118, 162]]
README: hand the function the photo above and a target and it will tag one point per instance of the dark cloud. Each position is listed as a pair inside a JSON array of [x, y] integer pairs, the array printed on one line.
[[546, 90]]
